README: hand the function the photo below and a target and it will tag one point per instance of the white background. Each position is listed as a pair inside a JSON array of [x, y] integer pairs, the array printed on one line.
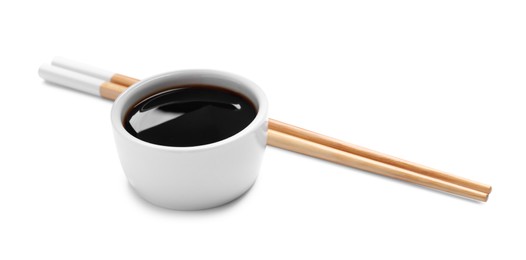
[[436, 82]]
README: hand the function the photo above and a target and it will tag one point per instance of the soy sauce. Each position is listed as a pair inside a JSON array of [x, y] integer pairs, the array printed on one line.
[[191, 115]]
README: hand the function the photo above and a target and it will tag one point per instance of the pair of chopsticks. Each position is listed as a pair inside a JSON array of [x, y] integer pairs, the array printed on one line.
[[109, 85]]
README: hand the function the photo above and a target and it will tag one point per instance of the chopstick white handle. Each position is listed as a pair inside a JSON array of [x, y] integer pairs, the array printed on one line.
[[93, 71], [70, 79], [80, 82], [82, 68]]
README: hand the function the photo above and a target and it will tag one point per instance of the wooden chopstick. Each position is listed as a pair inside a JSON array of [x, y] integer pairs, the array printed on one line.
[[303, 146], [375, 156], [293, 138]]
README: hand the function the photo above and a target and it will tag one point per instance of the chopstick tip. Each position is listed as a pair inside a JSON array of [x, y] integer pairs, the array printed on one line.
[[486, 197]]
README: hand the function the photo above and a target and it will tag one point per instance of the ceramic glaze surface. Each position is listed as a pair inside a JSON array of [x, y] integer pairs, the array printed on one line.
[[196, 177]]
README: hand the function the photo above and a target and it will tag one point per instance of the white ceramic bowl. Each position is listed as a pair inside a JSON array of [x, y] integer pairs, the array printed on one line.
[[199, 177]]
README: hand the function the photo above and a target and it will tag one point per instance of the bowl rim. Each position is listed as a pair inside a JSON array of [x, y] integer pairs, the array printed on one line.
[[119, 108]]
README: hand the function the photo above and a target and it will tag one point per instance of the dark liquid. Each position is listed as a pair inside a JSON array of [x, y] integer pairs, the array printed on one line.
[[189, 116]]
